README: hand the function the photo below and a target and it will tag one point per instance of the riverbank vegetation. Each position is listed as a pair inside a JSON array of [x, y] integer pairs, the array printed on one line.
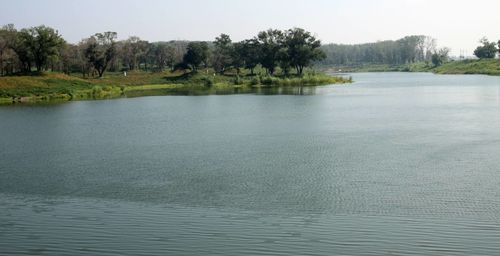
[[407, 50], [37, 63], [479, 66], [470, 66], [410, 54], [43, 48], [54, 86]]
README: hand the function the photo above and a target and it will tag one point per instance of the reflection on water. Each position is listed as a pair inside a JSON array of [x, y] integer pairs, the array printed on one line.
[[289, 90], [393, 164]]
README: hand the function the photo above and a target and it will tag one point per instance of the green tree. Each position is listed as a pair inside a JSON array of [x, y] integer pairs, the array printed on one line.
[[41, 43], [248, 53], [7, 55], [487, 50], [22, 50], [405, 50], [133, 52], [237, 60], [439, 57], [223, 53], [498, 46], [284, 60], [197, 54], [162, 55], [70, 59], [101, 50], [270, 42], [301, 49]]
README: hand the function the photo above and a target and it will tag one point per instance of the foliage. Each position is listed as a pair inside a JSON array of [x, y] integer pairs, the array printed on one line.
[[440, 57], [498, 46], [270, 43], [197, 53], [481, 66], [487, 50], [222, 56], [163, 55], [208, 81], [50, 85], [8, 57], [133, 51], [101, 50], [41, 43], [301, 49], [248, 54], [288, 50], [407, 50]]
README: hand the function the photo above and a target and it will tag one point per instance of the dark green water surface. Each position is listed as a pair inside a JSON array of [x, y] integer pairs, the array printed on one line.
[[393, 164]]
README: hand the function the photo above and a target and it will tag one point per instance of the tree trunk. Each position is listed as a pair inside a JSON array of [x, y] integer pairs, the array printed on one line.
[[100, 71]]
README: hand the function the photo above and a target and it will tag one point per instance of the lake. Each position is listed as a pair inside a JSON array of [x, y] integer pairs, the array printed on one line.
[[393, 164]]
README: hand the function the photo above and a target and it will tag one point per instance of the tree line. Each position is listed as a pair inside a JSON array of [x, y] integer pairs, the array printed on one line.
[[43, 48], [409, 49]]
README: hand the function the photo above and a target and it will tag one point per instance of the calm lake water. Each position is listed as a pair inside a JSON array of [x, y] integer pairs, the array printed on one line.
[[393, 164]]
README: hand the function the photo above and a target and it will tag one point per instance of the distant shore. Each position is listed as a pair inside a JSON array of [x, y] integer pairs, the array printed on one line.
[[479, 66]]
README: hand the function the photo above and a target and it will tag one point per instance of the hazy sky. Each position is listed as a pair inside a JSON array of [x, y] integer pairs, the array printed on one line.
[[458, 24]]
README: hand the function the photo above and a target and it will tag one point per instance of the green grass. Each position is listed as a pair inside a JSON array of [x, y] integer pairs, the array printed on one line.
[[307, 80], [51, 86], [45, 84], [485, 67]]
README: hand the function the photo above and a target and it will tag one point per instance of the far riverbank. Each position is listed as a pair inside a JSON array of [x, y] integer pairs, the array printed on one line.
[[482, 67]]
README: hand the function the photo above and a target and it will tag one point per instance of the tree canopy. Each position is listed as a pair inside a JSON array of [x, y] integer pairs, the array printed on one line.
[[101, 50], [406, 50], [302, 48], [289, 51], [440, 56], [222, 53], [196, 54], [487, 50], [34, 45]]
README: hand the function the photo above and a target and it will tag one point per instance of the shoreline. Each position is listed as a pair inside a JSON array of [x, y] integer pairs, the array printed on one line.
[[191, 87], [489, 67]]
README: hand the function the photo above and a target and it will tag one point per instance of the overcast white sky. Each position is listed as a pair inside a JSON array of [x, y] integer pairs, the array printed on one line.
[[458, 24]]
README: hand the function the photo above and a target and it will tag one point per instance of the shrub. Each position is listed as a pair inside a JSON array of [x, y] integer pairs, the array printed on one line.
[[255, 80], [237, 80], [208, 82], [122, 88], [96, 91], [286, 82], [269, 80]]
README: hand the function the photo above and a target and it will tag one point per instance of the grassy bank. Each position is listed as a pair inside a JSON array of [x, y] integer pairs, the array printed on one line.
[[485, 67], [60, 87]]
